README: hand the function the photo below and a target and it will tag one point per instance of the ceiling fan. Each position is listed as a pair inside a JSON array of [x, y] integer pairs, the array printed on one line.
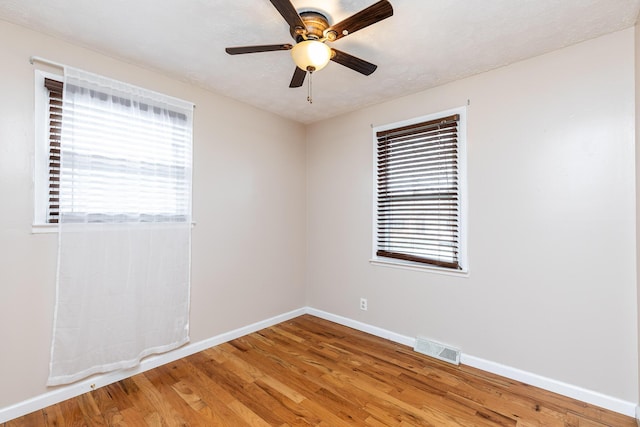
[[311, 31]]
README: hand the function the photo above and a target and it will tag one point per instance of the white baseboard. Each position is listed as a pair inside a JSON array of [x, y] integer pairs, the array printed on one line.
[[574, 392], [373, 330], [569, 390], [59, 394], [66, 392]]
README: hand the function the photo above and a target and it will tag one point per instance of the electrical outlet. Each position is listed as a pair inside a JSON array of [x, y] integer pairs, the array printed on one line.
[[363, 304]]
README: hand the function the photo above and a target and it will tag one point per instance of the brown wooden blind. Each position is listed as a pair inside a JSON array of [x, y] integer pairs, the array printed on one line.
[[418, 208], [54, 125]]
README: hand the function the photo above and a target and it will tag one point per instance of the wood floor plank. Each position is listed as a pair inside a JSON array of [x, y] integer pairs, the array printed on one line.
[[53, 415], [311, 372], [35, 419], [161, 410], [71, 413], [216, 397]]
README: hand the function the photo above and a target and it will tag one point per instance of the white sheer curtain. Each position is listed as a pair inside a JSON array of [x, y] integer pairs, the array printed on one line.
[[125, 227]]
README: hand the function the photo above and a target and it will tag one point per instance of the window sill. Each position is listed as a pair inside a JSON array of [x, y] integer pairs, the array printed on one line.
[[44, 228], [407, 265], [53, 228]]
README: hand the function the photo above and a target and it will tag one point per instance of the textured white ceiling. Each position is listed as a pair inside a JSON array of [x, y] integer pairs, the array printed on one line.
[[426, 42]]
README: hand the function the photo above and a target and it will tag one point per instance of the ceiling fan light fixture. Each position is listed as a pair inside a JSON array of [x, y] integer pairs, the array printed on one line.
[[311, 55]]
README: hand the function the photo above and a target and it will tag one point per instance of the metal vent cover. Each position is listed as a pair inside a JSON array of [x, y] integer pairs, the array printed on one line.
[[437, 350]]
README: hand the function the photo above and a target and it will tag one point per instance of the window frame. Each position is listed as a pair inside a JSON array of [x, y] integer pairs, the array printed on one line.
[[462, 189]]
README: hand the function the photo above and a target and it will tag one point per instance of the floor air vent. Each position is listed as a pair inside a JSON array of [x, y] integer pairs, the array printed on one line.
[[437, 350]]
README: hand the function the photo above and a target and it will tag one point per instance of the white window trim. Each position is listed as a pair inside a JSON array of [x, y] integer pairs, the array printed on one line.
[[462, 171]]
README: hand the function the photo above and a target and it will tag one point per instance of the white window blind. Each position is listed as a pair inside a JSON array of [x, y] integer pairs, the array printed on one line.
[[418, 193]]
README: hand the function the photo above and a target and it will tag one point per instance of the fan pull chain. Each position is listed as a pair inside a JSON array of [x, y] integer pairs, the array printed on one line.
[[310, 88]]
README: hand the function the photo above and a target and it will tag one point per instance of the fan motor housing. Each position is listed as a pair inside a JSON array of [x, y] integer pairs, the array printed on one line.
[[316, 23]]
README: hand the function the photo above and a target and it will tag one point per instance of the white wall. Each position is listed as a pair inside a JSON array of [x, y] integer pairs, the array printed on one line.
[[551, 178], [249, 204]]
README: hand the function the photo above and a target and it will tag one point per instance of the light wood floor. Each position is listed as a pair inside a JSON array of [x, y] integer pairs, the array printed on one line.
[[308, 371]]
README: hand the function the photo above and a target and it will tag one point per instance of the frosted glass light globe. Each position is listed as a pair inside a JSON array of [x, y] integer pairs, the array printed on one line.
[[311, 55]]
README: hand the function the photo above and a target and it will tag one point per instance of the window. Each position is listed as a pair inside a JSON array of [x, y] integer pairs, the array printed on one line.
[[419, 205], [130, 159], [119, 174]]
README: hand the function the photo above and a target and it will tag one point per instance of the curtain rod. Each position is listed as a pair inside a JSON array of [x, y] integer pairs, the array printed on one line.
[[42, 60], [45, 61]]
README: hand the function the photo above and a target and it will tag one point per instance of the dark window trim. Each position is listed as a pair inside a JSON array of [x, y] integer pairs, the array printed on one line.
[[54, 124]]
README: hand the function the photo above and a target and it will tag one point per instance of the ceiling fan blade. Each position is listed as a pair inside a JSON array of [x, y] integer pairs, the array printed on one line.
[[374, 13], [298, 77], [254, 49], [289, 13], [350, 61]]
